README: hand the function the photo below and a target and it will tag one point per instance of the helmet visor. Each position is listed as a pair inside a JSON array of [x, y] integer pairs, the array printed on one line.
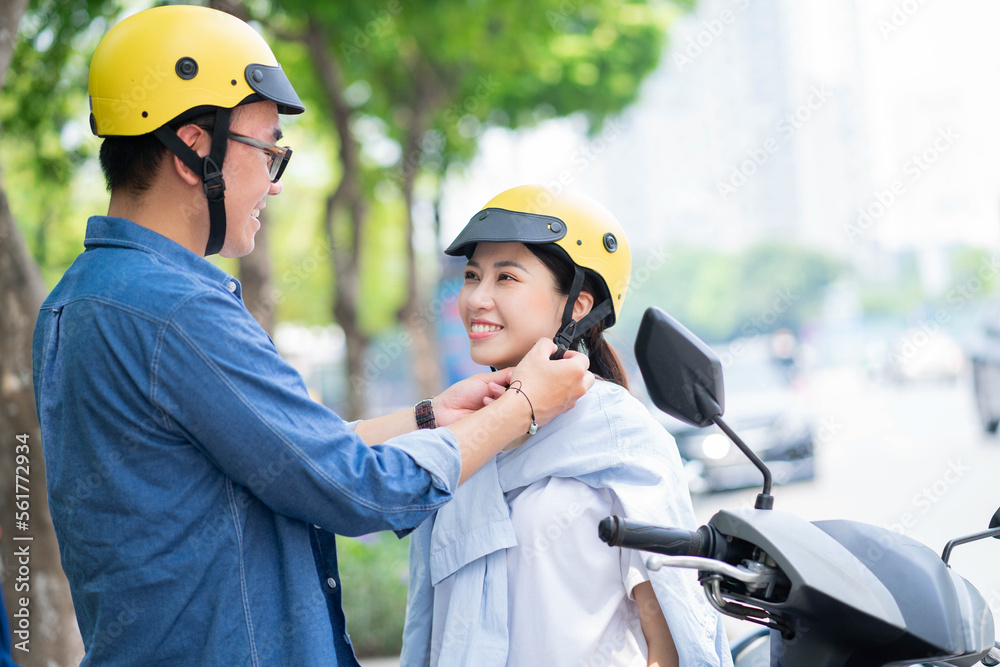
[[271, 83], [497, 225]]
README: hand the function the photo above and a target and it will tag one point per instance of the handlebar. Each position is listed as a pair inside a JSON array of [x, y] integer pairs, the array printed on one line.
[[618, 532]]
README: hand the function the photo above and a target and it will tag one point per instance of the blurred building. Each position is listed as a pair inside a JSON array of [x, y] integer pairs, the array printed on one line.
[[751, 129], [862, 128]]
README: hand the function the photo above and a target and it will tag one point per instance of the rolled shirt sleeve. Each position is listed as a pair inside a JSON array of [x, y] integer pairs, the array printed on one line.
[[424, 447]]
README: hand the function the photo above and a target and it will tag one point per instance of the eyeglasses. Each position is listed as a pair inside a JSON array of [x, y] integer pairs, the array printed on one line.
[[277, 156]]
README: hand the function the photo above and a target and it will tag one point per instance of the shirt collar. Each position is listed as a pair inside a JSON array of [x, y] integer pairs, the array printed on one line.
[[111, 232]]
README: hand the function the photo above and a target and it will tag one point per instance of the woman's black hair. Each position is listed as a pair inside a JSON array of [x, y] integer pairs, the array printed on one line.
[[604, 361]]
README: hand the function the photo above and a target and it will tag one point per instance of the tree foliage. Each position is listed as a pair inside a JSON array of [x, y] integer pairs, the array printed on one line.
[[489, 63], [408, 88], [46, 140], [49, 80], [494, 62]]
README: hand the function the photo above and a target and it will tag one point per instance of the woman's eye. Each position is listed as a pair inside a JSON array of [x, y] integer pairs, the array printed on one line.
[[506, 276], [469, 275]]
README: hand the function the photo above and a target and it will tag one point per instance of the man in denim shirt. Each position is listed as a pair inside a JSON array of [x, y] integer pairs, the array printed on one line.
[[194, 486]]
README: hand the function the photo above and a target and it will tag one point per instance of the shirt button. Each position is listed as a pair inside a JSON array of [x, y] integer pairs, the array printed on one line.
[[331, 582], [231, 286], [317, 526]]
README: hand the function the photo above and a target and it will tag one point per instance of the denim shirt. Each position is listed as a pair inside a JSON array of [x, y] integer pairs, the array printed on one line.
[[194, 486]]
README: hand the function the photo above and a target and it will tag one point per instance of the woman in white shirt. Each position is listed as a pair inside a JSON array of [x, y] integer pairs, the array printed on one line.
[[511, 572]]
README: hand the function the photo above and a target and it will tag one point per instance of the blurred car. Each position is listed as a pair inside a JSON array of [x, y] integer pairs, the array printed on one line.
[[765, 410], [926, 354], [985, 356], [714, 463]]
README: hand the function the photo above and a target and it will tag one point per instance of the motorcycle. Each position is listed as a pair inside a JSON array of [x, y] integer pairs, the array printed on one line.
[[832, 593]]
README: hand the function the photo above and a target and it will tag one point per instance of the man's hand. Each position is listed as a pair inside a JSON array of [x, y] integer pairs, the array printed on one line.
[[552, 386], [468, 395]]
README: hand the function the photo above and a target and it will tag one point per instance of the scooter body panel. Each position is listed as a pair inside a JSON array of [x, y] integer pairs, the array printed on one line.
[[860, 595], [946, 617]]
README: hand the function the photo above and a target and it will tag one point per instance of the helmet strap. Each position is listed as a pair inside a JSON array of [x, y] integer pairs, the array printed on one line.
[[210, 169], [572, 330]]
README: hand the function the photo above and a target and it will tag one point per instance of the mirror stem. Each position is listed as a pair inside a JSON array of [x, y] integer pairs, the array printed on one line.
[[765, 500], [946, 554]]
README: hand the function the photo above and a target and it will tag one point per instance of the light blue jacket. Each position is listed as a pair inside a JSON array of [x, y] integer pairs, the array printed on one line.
[[608, 441]]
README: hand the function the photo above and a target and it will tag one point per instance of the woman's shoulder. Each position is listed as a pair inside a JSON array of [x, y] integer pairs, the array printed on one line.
[[610, 414], [618, 404], [606, 393]]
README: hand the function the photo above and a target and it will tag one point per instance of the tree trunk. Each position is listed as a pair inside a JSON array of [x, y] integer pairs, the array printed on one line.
[[345, 301], [346, 215], [54, 637], [255, 276], [11, 12], [35, 574], [234, 7], [417, 314]]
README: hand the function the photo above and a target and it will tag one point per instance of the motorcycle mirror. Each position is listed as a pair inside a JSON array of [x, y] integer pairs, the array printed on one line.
[[995, 522], [682, 375], [684, 379]]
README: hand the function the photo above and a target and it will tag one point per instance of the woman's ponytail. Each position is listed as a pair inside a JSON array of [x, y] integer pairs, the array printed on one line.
[[604, 360]]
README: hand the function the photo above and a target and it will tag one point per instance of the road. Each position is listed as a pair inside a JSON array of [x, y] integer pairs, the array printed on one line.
[[907, 457]]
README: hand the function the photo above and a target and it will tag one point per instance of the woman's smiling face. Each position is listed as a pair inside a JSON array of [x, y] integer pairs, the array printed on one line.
[[509, 301]]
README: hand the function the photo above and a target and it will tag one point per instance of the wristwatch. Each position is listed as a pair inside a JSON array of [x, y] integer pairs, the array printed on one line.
[[424, 412]]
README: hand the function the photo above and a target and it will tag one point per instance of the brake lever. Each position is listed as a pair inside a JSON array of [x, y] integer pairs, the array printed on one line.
[[739, 573]]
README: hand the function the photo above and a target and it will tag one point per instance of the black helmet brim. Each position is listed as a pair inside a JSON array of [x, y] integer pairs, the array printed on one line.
[[497, 225], [271, 84]]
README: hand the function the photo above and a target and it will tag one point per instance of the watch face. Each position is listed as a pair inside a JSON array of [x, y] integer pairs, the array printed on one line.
[[424, 413]]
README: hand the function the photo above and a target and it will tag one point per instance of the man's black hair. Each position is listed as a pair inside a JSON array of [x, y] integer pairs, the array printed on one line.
[[131, 163]]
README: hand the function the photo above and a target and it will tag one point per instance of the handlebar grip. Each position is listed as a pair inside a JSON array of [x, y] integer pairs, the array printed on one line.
[[618, 532]]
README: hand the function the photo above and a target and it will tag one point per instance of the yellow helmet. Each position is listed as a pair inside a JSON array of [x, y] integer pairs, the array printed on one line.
[[156, 65], [588, 233], [175, 62]]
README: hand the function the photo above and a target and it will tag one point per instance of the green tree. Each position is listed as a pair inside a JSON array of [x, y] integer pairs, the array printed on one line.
[[427, 82], [35, 111]]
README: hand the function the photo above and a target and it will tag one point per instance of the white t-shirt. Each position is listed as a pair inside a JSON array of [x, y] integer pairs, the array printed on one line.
[[570, 594]]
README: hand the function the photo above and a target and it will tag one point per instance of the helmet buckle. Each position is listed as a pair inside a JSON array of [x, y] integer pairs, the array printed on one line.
[[566, 335], [215, 186]]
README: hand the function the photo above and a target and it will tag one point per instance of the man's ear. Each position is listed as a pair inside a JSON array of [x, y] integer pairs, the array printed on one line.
[[200, 142], [583, 304]]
